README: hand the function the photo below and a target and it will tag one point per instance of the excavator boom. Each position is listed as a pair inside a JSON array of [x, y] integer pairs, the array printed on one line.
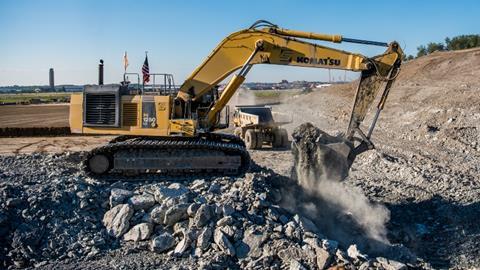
[[269, 48], [277, 46]]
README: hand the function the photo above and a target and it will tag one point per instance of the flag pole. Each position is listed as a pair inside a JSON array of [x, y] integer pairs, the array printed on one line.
[[143, 79], [125, 65]]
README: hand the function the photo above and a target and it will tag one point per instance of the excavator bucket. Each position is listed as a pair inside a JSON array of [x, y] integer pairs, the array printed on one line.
[[379, 77], [318, 155], [367, 90]]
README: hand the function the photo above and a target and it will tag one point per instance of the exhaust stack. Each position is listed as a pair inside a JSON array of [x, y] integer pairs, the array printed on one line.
[[100, 72]]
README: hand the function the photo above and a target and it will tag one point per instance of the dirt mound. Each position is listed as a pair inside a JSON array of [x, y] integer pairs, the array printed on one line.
[[440, 68], [441, 78]]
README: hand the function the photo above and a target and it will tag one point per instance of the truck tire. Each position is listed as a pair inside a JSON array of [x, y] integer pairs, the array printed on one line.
[[238, 132], [277, 139], [259, 139], [250, 139], [284, 136]]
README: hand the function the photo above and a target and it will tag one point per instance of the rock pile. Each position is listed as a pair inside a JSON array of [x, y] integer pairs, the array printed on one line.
[[226, 222], [49, 211], [51, 214]]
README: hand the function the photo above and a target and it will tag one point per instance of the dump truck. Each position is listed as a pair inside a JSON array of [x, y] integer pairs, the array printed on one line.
[[171, 131], [257, 126]]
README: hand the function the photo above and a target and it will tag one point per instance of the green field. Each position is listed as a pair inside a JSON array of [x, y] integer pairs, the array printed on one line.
[[27, 98]]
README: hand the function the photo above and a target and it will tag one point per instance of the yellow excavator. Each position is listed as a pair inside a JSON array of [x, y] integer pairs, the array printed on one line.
[[169, 130]]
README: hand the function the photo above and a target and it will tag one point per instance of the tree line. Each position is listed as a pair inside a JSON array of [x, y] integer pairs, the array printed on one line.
[[451, 44]]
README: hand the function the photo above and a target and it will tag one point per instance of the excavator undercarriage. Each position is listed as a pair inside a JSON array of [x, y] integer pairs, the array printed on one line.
[[207, 154]]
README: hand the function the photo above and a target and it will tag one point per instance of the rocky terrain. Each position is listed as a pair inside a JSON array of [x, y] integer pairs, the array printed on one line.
[[426, 164], [413, 202], [55, 217]]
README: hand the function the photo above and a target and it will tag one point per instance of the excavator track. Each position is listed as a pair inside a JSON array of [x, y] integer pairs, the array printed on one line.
[[209, 154]]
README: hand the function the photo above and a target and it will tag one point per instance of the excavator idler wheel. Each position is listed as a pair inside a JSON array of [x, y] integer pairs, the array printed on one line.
[[250, 139], [99, 164]]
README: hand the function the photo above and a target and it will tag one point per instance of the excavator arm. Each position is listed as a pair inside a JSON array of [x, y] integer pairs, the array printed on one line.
[[273, 45]]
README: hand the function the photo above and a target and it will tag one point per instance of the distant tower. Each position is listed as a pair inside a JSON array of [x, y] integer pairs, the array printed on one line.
[[52, 82]]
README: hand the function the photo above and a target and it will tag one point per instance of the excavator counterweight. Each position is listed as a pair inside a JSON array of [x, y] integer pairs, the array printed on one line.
[[169, 130]]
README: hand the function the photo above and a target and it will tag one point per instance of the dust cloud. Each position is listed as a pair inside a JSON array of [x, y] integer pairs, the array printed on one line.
[[340, 211], [243, 97]]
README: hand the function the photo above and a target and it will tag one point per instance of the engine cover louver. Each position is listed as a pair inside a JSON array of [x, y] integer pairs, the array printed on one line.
[[129, 114], [101, 109]]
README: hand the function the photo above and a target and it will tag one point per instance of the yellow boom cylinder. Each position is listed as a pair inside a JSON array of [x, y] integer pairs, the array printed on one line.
[[227, 93], [309, 35]]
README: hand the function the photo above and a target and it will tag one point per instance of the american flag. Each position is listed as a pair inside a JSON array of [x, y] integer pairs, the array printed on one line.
[[146, 71]]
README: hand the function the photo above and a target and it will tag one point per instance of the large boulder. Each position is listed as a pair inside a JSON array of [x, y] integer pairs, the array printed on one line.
[[293, 252], [162, 242], [116, 220], [192, 209], [251, 244], [143, 201], [175, 214], [139, 232], [184, 244], [323, 258], [223, 243], [118, 196], [306, 224], [174, 190], [157, 214], [204, 238], [203, 215]]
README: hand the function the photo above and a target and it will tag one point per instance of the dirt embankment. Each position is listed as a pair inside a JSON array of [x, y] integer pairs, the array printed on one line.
[[427, 161], [34, 120], [27, 116]]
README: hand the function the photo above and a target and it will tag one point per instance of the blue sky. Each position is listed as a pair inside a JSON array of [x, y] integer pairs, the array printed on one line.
[[71, 36]]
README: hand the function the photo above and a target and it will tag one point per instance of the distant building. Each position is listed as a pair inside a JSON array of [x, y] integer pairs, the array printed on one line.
[[73, 88], [51, 80]]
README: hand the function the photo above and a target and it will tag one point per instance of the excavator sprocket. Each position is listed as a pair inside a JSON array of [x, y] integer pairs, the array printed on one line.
[[208, 154]]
